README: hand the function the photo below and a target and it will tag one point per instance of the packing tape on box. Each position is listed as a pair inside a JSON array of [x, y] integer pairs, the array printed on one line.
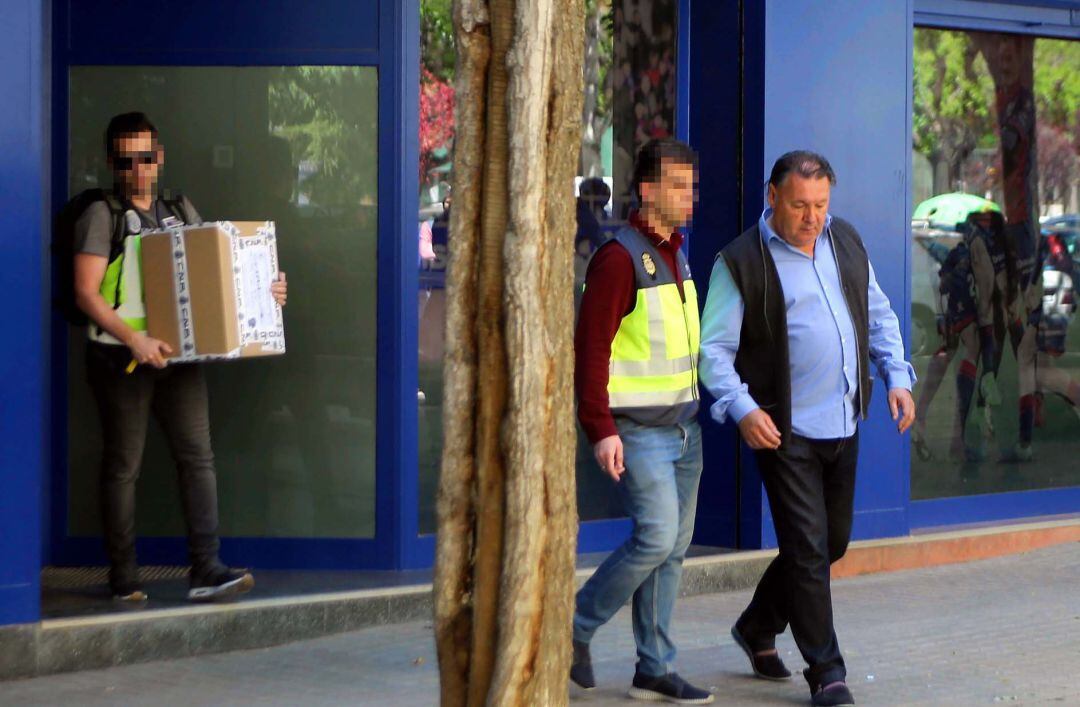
[[183, 294], [184, 316]]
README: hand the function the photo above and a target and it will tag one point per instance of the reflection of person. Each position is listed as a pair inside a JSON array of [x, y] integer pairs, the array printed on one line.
[[793, 322], [956, 326], [176, 395], [640, 416], [993, 277], [432, 293], [440, 227], [593, 196]]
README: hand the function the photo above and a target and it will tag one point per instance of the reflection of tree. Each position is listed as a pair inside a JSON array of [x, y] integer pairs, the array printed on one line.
[[956, 111], [1010, 59], [1059, 166], [1057, 84], [952, 94], [643, 82], [329, 116], [436, 124], [437, 51], [438, 64], [596, 111]]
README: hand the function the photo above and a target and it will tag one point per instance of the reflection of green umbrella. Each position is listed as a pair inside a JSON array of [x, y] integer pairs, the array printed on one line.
[[947, 210]]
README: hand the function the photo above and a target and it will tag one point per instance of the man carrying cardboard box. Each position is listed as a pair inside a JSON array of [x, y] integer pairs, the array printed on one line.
[[108, 288]]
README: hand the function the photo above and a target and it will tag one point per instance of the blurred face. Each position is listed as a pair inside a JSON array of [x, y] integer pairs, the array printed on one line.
[[799, 207], [135, 162], [670, 199]]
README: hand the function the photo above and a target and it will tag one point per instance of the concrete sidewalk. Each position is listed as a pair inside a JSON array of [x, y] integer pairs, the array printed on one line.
[[1005, 630]]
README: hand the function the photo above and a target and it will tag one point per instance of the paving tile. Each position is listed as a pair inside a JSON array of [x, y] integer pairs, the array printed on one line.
[[998, 631]]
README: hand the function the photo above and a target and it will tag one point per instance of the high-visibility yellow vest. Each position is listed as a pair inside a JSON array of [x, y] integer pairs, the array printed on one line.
[[652, 374], [122, 288]]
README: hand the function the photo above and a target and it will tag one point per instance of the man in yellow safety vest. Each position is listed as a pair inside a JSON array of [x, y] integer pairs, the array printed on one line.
[[637, 386]]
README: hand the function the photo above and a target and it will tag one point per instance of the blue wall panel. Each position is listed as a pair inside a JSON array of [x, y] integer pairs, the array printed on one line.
[[220, 26], [23, 357], [709, 86], [837, 81]]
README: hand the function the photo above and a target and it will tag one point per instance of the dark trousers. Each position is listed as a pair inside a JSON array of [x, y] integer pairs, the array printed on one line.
[[176, 396], [811, 488]]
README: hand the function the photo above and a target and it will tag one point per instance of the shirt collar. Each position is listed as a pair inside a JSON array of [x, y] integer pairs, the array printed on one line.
[[768, 234], [676, 238]]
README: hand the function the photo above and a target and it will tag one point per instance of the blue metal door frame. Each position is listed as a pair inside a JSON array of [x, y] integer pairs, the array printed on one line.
[[1043, 18], [23, 356], [376, 33]]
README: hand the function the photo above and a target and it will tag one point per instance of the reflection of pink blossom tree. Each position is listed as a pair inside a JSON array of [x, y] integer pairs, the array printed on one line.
[[436, 120], [1059, 166], [982, 175]]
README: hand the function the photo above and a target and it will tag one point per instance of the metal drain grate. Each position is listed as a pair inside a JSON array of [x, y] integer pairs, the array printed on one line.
[[82, 577]]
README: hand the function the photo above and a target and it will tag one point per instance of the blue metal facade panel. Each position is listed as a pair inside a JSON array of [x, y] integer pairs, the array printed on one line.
[[837, 80], [233, 27], [381, 33], [23, 356]]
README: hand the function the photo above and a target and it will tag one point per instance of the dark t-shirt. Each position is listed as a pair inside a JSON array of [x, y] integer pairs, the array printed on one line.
[[93, 230]]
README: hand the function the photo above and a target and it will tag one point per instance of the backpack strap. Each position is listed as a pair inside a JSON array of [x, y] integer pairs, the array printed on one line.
[[116, 242], [177, 208], [116, 211]]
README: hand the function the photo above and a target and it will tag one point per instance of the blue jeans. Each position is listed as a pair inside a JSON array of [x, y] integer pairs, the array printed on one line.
[[659, 492]]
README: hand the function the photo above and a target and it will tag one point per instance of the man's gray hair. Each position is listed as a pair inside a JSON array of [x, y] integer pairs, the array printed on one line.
[[807, 164]]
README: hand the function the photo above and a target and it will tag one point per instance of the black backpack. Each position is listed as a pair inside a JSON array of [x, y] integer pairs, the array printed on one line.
[[63, 244], [63, 248]]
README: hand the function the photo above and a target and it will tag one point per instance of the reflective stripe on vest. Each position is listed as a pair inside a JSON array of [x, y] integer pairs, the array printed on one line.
[[655, 351], [123, 284]]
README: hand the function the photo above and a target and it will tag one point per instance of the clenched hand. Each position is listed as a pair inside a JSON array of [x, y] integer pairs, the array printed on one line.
[[759, 431]]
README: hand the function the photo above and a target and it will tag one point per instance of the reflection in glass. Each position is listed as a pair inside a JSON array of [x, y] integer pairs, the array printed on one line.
[[997, 188], [294, 437]]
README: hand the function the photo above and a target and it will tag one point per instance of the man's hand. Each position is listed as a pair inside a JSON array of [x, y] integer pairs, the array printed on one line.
[[609, 455], [902, 408], [148, 351], [759, 431], [279, 288]]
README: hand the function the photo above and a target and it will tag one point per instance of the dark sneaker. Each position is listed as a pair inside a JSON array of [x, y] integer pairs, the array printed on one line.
[[767, 667], [581, 669], [835, 694], [668, 688], [221, 583]]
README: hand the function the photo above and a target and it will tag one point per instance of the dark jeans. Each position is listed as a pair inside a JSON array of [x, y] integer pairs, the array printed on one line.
[[177, 397], [811, 488]]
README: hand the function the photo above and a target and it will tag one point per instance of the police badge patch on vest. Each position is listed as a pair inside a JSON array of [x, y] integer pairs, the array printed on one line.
[[649, 265]]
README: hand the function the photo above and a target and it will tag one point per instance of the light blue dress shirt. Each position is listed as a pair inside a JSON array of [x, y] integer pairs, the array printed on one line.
[[821, 340]]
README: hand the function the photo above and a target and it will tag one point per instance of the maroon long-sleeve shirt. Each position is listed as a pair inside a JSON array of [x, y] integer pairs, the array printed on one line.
[[609, 296]]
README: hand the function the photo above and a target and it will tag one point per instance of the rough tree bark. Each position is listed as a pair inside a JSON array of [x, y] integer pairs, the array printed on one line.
[[504, 575]]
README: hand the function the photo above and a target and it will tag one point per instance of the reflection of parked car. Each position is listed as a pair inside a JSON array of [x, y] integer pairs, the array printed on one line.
[[1067, 228]]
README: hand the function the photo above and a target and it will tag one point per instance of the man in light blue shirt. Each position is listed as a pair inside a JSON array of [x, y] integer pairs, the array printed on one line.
[[794, 324]]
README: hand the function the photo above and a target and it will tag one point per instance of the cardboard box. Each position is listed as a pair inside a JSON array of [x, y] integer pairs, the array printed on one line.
[[207, 290]]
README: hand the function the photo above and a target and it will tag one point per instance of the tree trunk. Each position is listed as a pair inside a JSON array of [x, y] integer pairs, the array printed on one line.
[[504, 575], [1010, 59]]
